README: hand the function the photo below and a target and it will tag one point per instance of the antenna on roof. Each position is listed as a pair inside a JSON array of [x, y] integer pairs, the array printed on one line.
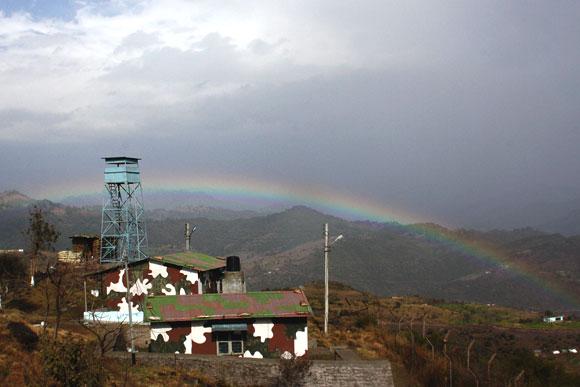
[[188, 232]]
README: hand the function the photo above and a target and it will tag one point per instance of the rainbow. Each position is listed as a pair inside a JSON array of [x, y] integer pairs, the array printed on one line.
[[252, 190], [325, 200]]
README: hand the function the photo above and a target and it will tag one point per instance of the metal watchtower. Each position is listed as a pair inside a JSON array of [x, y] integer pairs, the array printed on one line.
[[123, 234]]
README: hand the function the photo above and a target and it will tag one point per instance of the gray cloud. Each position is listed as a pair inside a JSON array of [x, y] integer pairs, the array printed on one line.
[[437, 108]]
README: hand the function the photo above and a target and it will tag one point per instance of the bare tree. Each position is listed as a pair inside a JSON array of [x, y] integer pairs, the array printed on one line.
[[12, 277], [105, 333], [42, 237], [64, 282]]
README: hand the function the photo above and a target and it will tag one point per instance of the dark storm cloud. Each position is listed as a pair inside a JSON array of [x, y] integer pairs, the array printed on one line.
[[443, 109]]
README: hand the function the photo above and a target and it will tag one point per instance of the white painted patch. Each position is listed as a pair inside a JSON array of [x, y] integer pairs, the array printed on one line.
[[301, 342], [263, 330], [256, 355], [118, 286], [182, 292], [95, 292], [160, 329], [197, 335], [124, 306], [192, 276], [198, 332], [286, 355], [169, 290], [158, 270], [140, 287]]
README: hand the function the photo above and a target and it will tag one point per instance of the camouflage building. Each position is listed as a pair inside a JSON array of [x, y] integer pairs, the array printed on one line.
[[182, 273], [254, 324]]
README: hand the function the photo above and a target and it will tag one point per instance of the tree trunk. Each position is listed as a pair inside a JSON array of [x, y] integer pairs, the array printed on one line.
[[47, 309], [57, 306]]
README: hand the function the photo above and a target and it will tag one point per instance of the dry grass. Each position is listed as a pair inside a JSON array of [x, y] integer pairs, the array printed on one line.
[[370, 325]]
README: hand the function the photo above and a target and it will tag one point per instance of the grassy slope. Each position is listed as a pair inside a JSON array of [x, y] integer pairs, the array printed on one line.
[[364, 322], [369, 324]]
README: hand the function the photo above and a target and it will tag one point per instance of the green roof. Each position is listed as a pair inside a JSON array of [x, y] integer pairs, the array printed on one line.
[[192, 260], [188, 259], [218, 306]]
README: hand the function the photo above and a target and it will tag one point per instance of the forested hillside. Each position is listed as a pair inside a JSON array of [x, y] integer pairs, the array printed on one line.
[[285, 249]]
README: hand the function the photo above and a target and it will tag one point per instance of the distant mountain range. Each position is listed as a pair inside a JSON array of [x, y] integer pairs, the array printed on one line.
[[285, 249], [558, 216], [10, 199], [184, 201]]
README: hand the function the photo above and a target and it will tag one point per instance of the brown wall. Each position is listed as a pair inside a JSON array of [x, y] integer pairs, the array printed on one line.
[[89, 247], [138, 272], [282, 340]]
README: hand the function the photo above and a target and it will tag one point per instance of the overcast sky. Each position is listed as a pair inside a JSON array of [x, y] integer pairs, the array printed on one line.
[[425, 105]]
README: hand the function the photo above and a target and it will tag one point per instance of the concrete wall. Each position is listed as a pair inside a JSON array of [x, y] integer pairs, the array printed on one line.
[[265, 372], [233, 282]]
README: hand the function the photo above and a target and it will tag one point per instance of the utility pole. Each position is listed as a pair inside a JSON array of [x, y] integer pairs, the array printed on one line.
[[133, 361], [326, 251], [188, 232]]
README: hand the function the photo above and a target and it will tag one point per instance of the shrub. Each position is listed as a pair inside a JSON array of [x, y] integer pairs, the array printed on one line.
[[72, 362], [365, 320], [22, 305], [24, 335]]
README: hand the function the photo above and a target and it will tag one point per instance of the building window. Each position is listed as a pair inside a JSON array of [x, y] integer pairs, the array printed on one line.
[[229, 343]]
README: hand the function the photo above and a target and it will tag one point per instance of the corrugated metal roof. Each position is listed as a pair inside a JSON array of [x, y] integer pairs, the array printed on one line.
[[218, 306], [190, 260]]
